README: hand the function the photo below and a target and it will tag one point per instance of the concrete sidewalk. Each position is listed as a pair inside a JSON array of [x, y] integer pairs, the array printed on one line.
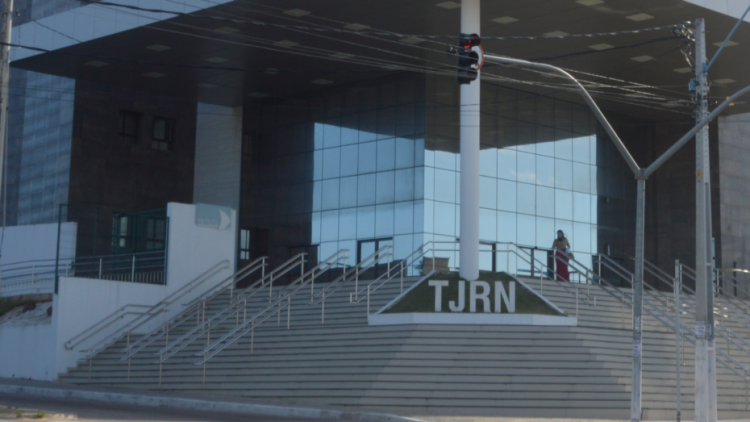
[[237, 405], [206, 401]]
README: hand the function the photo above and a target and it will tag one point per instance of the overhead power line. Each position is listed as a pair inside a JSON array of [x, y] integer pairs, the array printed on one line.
[[384, 33]]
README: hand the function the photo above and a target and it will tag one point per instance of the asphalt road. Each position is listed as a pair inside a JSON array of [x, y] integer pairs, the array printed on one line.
[[95, 411]]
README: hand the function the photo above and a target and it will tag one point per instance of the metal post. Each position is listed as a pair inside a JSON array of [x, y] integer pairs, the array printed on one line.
[[323, 309], [469, 133], [288, 311], [554, 263], [5, 36], [402, 276], [635, 400], [678, 340], [576, 286], [705, 359], [132, 270], [368, 300]]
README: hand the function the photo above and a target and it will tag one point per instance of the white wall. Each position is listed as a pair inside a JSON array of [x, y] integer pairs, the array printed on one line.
[[37, 242], [218, 155], [192, 250], [28, 352]]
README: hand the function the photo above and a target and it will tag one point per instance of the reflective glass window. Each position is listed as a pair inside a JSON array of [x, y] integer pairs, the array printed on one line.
[[329, 227], [506, 226], [445, 219], [347, 224], [404, 185], [445, 185], [404, 218], [488, 192], [404, 152], [331, 162], [349, 160], [526, 231], [386, 154], [545, 202], [582, 207], [366, 189], [545, 171], [545, 233], [526, 168], [564, 146], [445, 160], [488, 162], [348, 192], [384, 220], [581, 177], [506, 195], [367, 158], [385, 187], [581, 149], [563, 174], [365, 222], [506, 164], [332, 135], [330, 194], [487, 224], [526, 198], [563, 204], [582, 234]]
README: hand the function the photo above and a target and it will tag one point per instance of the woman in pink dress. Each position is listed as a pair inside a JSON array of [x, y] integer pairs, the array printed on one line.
[[562, 248]]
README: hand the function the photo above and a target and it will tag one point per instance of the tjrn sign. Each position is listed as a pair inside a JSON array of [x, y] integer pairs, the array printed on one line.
[[479, 291]]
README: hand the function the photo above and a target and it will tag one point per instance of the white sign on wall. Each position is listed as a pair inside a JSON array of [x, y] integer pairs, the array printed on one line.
[[213, 216], [479, 292]]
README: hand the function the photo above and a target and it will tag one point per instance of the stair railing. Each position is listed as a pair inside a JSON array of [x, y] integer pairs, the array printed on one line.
[[142, 317], [195, 307], [355, 271], [204, 325], [283, 301], [678, 327]]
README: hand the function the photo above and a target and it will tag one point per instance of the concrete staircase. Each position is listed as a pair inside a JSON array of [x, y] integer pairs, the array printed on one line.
[[484, 371]]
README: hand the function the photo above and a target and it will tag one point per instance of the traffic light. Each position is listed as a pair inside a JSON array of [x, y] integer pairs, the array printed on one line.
[[470, 58]]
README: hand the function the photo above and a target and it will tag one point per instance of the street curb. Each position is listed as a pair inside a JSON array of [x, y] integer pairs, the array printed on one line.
[[219, 406]]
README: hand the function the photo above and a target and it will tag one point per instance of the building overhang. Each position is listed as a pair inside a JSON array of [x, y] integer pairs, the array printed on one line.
[[236, 52]]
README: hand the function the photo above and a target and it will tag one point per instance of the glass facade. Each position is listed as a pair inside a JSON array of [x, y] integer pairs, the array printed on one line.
[[380, 163], [40, 135]]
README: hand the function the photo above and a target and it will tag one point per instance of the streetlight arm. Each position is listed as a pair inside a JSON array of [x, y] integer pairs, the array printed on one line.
[[586, 96], [688, 136]]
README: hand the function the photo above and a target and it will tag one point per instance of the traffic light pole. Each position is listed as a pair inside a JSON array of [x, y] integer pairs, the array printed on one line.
[[705, 352], [469, 132], [5, 36], [642, 175]]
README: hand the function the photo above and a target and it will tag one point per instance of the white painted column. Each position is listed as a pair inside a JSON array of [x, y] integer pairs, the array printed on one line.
[[469, 109]]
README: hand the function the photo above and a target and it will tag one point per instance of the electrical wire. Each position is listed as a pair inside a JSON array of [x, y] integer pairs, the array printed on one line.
[[378, 33]]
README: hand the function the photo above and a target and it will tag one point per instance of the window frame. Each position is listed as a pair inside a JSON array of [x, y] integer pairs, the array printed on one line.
[[124, 136], [169, 134]]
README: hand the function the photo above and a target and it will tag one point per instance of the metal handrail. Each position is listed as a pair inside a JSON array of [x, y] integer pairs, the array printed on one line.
[[194, 307], [153, 310], [357, 269], [190, 336], [721, 326], [240, 330]]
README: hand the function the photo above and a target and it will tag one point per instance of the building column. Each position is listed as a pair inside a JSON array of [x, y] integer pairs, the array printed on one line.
[[218, 155]]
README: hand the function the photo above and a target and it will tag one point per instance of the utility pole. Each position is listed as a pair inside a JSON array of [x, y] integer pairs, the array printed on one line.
[[469, 132], [5, 33], [705, 352]]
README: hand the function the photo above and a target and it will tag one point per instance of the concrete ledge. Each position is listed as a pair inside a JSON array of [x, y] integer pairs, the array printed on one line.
[[188, 403], [471, 319]]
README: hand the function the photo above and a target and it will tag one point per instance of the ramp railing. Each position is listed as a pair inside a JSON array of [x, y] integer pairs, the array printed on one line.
[[195, 307], [681, 305], [143, 314], [276, 305], [203, 325]]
